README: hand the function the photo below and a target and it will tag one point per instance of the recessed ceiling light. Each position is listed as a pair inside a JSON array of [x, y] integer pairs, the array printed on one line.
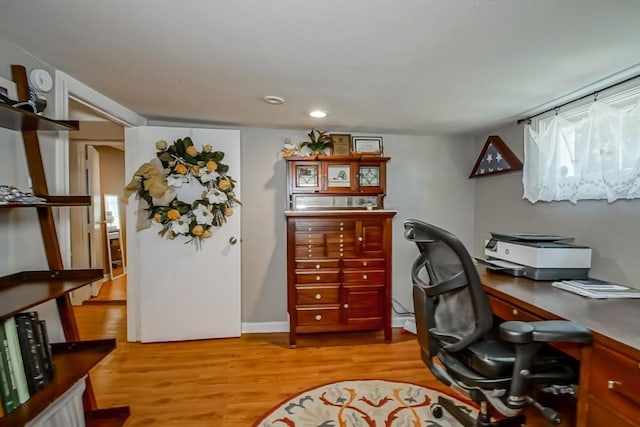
[[273, 100], [318, 114]]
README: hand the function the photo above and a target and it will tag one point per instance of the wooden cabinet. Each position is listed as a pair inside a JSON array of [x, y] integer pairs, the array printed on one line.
[[24, 290], [609, 386], [338, 247], [613, 386]]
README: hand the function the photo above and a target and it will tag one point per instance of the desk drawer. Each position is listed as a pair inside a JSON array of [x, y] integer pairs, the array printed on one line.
[[600, 416], [615, 381], [507, 311]]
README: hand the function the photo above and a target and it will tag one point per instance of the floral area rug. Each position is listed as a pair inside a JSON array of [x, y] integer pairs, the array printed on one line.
[[364, 403]]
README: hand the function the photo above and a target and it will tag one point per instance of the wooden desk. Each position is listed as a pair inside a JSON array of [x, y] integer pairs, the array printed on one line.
[[609, 392]]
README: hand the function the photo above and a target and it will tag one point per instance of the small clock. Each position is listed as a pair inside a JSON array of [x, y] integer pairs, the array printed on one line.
[[41, 80]]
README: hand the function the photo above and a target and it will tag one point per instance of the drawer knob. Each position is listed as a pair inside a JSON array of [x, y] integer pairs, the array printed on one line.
[[346, 305], [318, 317], [365, 277], [341, 228], [317, 277], [514, 312], [318, 296], [611, 384], [360, 239], [364, 263], [341, 236], [317, 265], [342, 223]]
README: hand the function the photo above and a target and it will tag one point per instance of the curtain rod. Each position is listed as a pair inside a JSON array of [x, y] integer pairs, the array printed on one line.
[[594, 93]]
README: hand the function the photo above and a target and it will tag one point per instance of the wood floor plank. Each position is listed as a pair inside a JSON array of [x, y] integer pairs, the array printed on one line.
[[231, 382]]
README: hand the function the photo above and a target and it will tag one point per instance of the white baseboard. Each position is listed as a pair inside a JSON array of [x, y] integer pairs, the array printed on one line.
[[264, 327], [283, 326]]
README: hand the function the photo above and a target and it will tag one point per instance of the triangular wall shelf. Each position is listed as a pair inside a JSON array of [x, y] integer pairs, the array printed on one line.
[[495, 158]]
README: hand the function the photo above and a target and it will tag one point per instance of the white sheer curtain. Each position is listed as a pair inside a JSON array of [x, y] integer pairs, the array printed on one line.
[[597, 157]]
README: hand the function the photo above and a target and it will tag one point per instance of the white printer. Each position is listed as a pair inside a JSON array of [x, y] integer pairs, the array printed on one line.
[[537, 256]]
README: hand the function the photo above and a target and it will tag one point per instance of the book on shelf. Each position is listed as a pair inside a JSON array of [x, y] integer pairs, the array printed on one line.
[[8, 389], [32, 364], [11, 331], [43, 346], [595, 288]]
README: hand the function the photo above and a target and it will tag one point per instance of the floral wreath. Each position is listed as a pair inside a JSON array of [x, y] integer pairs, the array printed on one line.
[[180, 163]]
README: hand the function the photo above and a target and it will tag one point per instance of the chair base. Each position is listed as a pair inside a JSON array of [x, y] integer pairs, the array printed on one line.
[[468, 421]]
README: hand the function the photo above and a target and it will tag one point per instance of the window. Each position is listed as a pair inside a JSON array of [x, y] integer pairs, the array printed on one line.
[[591, 151]]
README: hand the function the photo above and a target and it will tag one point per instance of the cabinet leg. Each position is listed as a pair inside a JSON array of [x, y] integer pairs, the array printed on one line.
[[387, 334], [292, 339]]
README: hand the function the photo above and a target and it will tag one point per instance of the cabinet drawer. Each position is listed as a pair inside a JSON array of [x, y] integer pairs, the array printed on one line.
[[341, 252], [309, 295], [318, 316], [309, 239], [364, 276], [615, 381], [325, 225], [321, 276], [364, 263], [599, 416], [310, 251], [316, 264]]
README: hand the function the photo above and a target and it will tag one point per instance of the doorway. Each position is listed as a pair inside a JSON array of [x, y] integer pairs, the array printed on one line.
[[96, 167]]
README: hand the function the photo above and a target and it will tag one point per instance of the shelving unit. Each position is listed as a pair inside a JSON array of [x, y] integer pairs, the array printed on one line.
[[338, 245], [24, 290]]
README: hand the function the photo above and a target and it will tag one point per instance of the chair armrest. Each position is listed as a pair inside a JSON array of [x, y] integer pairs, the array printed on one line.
[[545, 331]]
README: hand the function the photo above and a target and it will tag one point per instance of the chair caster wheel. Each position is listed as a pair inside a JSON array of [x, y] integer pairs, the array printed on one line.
[[437, 411]]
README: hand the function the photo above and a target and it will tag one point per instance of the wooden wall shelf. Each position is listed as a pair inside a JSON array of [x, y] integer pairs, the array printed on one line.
[[16, 119], [24, 290], [53, 201], [21, 291], [72, 360]]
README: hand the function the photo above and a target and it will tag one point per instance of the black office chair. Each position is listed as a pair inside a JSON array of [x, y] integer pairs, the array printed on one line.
[[501, 366]]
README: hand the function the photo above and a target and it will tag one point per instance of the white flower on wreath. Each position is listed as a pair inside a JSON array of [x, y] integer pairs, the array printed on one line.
[[176, 180], [203, 215], [207, 175], [181, 225], [216, 196]]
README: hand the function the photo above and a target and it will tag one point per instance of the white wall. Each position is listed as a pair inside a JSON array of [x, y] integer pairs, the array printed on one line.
[[612, 230]]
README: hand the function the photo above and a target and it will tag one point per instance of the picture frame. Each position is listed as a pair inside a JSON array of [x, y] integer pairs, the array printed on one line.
[[367, 145], [341, 144], [306, 175], [339, 176], [8, 89]]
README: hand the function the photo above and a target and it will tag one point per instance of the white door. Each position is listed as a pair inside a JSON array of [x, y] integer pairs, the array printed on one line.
[[176, 291]]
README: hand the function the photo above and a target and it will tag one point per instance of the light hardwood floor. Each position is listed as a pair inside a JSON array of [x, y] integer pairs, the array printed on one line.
[[231, 382]]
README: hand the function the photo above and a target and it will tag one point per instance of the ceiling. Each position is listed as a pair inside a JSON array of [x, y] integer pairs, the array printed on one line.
[[395, 66]]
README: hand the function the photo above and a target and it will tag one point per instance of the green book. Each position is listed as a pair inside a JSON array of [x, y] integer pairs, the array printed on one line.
[[7, 384], [11, 332]]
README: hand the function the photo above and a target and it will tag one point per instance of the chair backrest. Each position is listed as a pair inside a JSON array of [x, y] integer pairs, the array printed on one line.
[[450, 304]]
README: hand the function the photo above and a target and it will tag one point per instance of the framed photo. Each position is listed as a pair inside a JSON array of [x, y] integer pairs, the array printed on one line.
[[341, 144], [339, 176], [8, 89], [367, 145], [307, 176]]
